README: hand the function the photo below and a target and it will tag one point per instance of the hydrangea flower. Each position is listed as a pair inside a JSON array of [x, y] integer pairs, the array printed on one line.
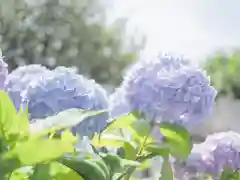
[[3, 72], [218, 151], [19, 79], [63, 89], [166, 88]]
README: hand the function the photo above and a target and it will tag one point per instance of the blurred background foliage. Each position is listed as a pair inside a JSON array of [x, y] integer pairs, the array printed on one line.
[[69, 33], [77, 33], [224, 69]]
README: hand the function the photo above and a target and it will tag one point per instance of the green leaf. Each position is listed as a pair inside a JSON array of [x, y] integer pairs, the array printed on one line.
[[120, 122], [140, 128], [66, 135], [7, 114], [178, 139], [39, 150], [109, 140], [20, 174], [89, 169], [61, 172], [116, 163], [166, 173], [54, 171], [21, 122], [144, 165], [113, 161], [62, 120], [159, 149], [130, 150], [41, 171], [230, 174], [14, 125]]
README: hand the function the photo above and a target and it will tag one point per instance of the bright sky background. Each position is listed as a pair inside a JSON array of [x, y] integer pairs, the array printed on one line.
[[193, 28]]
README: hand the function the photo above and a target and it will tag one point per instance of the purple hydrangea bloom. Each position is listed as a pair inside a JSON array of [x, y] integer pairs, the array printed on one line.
[[3, 72], [63, 89], [166, 88], [19, 79], [218, 151]]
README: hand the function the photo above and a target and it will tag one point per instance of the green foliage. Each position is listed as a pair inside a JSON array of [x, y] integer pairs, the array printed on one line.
[[28, 153], [177, 138], [21, 149], [69, 33], [166, 173], [229, 174], [224, 69]]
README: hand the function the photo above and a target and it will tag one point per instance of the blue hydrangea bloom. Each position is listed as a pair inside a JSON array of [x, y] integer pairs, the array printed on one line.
[[118, 104], [63, 89], [218, 151], [166, 88], [19, 79], [3, 72]]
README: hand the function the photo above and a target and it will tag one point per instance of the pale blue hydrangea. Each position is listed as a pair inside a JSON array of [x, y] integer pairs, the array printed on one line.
[[3, 72], [166, 88], [218, 151], [19, 79], [63, 89], [118, 104]]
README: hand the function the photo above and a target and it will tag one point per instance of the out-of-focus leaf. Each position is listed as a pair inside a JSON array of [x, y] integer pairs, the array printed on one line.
[[130, 150], [117, 164], [64, 119], [166, 173], [39, 151], [177, 138], [109, 140], [123, 121], [159, 149], [54, 171], [87, 168], [7, 114], [139, 130], [68, 137]]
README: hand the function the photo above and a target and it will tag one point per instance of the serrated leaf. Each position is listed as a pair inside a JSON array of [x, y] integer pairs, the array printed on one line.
[[39, 150], [178, 139]]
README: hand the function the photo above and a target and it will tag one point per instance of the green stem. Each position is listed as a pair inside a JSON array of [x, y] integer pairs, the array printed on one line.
[[127, 174], [130, 170]]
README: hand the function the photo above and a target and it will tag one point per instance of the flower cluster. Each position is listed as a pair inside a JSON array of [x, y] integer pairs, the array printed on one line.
[[217, 152], [50, 92], [166, 88], [17, 82]]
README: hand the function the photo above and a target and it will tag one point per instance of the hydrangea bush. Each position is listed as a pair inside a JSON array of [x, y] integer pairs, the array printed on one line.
[[59, 125]]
